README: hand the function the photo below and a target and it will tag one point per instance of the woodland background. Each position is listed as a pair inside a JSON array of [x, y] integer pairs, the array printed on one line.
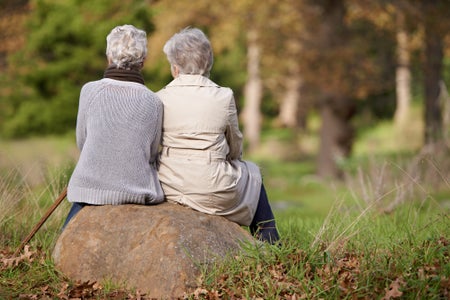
[[342, 66], [344, 106]]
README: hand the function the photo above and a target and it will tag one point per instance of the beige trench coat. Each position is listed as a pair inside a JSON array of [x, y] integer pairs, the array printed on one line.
[[200, 163]]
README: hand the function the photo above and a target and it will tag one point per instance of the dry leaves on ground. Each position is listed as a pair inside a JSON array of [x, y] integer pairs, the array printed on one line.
[[9, 261]]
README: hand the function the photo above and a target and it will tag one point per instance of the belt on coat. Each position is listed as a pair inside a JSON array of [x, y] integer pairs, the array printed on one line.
[[209, 155]]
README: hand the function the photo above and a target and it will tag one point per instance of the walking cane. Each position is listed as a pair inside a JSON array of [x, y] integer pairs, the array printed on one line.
[[42, 221]]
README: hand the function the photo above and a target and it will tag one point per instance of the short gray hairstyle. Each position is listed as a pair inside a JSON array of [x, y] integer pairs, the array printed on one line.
[[191, 51], [126, 47]]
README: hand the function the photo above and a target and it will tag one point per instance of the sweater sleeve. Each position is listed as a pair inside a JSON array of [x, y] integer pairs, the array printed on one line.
[[82, 118], [158, 131], [232, 133]]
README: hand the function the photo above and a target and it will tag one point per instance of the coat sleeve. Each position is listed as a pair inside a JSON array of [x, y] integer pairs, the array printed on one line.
[[232, 133]]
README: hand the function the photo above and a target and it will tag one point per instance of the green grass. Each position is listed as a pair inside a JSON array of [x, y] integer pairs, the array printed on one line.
[[381, 232], [352, 254]]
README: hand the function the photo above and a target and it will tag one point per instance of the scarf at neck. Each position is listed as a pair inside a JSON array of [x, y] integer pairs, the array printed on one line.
[[124, 75]]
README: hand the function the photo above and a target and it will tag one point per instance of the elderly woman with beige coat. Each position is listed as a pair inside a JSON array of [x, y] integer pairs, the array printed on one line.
[[201, 162]]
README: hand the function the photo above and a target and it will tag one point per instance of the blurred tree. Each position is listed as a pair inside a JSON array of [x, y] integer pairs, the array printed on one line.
[[253, 92], [403, 73], [13, 14], [393, 17], [419, 25], [254, 16], [65, 47], [347, 60], [284, 59], [335, 106], [436, 24]]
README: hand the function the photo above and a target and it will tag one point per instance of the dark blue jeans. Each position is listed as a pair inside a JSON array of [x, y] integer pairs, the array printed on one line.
[[263, 224], [76, 207]]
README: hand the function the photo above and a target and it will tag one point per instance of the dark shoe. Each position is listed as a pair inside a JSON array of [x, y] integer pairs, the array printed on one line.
[[268, 234]]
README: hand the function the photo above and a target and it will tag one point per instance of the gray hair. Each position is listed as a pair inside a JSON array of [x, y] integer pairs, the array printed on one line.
[[126, 47], [191, 51]]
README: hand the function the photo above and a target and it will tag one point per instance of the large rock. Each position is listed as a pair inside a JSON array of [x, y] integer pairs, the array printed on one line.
[[156, 249]]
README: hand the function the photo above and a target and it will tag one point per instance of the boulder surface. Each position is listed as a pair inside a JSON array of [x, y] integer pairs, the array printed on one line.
[[158, 250]]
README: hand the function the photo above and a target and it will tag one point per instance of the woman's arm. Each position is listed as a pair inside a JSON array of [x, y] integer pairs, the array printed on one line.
[[82, 119], [232, 132], [157, 133]]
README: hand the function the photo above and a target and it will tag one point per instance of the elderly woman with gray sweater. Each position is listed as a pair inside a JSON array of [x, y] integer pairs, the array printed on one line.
[[201, 162], [118, 130]]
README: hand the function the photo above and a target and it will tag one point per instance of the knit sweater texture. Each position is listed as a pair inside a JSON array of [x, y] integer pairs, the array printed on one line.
[[118, 134]]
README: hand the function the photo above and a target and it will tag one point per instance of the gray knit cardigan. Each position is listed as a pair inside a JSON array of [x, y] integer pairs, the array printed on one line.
[[118, 134]]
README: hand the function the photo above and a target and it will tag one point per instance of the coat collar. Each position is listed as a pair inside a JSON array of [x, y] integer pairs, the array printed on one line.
[[191, 80]]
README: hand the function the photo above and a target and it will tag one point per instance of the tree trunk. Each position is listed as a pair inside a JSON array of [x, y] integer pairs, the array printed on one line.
[[291, 115], [337, 109], [433, 75], [403, 75], [336, 136], [253, 93]]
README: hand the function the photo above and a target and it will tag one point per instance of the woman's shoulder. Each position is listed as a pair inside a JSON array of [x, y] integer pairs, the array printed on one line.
[[91, 87], [95, 85], [224, 90], [90, 84], [189, 81]]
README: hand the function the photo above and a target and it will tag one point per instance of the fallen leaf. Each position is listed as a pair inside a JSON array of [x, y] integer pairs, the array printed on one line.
[[394, 289]]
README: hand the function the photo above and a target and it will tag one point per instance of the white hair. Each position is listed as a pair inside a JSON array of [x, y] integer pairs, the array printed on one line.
[[126, 47], [191, 51]]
